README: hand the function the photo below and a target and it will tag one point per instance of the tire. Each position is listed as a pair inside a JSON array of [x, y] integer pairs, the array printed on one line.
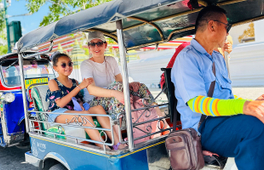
[[58, 167]]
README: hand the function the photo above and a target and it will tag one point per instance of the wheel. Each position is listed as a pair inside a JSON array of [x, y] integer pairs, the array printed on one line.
[[58, 167]]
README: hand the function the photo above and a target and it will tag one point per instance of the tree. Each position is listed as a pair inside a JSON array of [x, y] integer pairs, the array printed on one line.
[[3, 38], [60, 8]]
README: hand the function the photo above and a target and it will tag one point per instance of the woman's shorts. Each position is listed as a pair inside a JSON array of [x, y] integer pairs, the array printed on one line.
[[52, 117]]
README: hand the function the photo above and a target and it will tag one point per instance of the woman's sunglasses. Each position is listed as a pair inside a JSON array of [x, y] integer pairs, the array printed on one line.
[[63, 65], [99, 44]]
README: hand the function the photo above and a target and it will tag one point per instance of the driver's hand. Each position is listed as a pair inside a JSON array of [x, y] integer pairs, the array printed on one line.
[[254, 108], [260, 98]]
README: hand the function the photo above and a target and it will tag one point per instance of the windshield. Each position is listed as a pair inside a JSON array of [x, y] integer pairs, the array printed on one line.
[[32, 69]]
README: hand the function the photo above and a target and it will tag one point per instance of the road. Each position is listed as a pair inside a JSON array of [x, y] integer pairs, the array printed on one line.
[[13, 158]]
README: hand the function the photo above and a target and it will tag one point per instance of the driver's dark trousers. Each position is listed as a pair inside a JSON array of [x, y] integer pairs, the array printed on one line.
[[239, 136]]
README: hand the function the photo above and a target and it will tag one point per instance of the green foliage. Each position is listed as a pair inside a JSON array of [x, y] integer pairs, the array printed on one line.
[[2, 20], [60, 8], [3, 49]]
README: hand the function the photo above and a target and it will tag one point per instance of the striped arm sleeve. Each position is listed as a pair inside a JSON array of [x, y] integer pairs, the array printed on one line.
[[236, 97], [216, 107]]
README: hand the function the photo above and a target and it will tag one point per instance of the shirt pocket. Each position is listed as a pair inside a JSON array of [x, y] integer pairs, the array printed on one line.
[[224, 81]]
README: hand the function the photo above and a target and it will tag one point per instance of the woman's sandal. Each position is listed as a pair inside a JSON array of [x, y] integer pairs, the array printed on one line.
[[115, 147]]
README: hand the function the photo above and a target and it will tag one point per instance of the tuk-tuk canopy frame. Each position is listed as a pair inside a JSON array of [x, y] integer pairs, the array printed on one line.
[[144, 22], [134, 24]]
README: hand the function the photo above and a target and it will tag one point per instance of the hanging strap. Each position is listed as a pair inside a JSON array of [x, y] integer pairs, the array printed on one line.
[[210, 94]]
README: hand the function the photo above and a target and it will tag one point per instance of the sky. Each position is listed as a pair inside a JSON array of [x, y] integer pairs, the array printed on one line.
[[30, 22]]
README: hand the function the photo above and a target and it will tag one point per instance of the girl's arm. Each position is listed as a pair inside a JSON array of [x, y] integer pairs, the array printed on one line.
[[101, 92], [53, 86]]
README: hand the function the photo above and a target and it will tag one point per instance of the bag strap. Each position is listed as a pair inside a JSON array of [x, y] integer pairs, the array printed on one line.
[[210, 94]]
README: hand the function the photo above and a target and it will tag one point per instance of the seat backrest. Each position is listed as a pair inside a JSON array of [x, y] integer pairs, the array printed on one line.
[[38, 94], [170, 94]]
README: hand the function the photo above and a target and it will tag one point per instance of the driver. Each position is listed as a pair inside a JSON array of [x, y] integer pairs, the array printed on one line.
[[234, 126]]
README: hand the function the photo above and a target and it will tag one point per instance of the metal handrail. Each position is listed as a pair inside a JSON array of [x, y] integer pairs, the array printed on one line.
[[40, 53]]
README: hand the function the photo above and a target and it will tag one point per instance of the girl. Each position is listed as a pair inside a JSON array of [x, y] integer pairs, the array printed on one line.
[[61, 91]]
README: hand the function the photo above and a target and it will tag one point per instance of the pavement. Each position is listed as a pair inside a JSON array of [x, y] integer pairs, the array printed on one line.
[[13, 158]]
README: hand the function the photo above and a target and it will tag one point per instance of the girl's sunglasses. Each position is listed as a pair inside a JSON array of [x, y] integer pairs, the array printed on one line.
[[63, 65], [99, 44]]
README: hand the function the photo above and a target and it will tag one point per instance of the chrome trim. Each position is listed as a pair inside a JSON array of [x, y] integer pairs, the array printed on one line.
[[32, 159], [57, 157], [75, 123], [226, 55], [40, 53], [14, 90], [22, 78], [122, 53]]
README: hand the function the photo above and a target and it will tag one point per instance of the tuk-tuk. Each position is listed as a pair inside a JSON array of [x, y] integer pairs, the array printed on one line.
[[133, 24], [12, 129]]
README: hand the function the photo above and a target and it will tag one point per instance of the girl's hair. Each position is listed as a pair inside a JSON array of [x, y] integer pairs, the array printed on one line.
[[56, 55]]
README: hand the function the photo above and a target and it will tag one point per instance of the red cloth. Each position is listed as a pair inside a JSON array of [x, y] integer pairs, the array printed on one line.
[[172, 60]]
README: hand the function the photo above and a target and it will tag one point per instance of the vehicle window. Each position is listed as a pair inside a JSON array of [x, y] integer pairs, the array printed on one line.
[[32, 69]]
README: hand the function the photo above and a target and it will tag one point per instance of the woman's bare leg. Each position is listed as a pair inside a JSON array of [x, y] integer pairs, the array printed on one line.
[[93, 133], [105, 123]]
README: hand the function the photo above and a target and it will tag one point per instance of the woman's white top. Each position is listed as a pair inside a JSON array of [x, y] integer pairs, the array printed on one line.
[[102, 73]]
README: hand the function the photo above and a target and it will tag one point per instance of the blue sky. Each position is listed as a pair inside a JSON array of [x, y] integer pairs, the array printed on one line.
[[28, 23]]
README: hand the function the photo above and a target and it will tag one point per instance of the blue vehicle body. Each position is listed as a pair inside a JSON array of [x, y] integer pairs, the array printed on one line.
[[12, 121], [79, 158]]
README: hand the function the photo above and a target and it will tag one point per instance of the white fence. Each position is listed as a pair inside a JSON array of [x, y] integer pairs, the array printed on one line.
[[147, 70], [247, 65]]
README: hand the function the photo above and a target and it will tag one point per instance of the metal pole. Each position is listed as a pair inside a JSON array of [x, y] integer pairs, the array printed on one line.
[[122, 53], [227, 62], [20, 59], [7, 28]]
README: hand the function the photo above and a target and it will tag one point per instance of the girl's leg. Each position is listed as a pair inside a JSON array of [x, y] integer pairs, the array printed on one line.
[[105, 123], [93, 133]]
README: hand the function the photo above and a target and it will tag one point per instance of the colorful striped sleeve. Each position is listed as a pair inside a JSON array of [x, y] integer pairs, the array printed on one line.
[[236, 97], [216, 107]]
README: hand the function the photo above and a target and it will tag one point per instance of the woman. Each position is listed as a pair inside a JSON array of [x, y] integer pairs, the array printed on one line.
[[106, 89]]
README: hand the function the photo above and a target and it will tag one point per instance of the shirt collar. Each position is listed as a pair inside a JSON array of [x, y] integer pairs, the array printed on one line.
[[200, 48]]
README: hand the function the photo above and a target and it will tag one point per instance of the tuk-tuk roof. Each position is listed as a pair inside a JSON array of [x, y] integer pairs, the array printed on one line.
[[144, 22]]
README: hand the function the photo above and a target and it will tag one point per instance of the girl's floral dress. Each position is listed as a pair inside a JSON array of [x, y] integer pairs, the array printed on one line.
[[113, 106], [51, 97]]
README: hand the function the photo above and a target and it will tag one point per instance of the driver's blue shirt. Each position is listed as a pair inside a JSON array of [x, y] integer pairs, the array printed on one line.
[[192, 75]]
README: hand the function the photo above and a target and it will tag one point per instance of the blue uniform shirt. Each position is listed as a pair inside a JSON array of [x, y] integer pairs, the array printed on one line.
[[192, 75]]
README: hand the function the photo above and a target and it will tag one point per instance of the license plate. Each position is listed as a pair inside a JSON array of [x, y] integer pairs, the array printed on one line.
[[28, 82]]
